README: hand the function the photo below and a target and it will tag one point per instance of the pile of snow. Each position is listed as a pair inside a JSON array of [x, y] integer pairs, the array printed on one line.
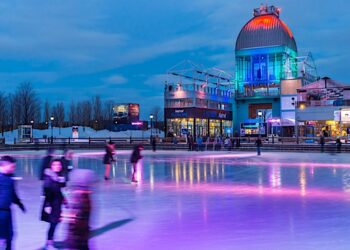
[[86, 132]]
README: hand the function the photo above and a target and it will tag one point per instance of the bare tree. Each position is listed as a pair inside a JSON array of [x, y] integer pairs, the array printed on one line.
[[156, 112], [28, 105], [79, 113], [86, 113], [3, 111], [97, 111], [72, 114], [11, 107], [46, 112], [58, 114], [108, 110]]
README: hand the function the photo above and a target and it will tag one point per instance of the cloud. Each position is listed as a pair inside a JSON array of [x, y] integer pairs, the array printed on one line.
[[115, 79]]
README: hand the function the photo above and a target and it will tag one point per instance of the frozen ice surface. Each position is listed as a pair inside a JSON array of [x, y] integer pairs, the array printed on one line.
[[205, 200]]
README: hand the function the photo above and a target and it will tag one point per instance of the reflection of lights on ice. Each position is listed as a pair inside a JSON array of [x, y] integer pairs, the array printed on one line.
[[302, 181], [139, 170], [198, 174], [275, 176], [177, 172], [346, 180], [151, 176], [184, 172], [191, 172]]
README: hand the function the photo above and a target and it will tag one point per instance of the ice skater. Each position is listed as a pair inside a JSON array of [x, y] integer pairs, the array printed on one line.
[[154, 143], [67, 165], [338, 144], [45, 163], [52, 207], [108, 159], [78, 220], [322, 142], [8, 196], [258, 144], [134, 159]]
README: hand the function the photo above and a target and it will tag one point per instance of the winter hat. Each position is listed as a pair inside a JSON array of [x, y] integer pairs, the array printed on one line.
[[82, 178], [6, 159]]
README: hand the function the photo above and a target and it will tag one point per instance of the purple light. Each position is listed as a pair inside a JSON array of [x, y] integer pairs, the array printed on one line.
[[137, 123]]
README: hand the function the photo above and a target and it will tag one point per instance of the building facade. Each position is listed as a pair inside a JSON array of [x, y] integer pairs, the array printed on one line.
[[266, 54], [323, 108], [197, 102]]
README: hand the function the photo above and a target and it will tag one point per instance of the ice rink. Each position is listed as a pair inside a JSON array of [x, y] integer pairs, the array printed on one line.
[[204, 200]]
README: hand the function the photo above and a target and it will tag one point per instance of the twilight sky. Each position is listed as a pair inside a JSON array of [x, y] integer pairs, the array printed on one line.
[[121, 49]]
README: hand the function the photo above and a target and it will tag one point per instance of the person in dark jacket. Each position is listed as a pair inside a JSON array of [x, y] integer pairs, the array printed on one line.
[[322, 142], [258, 144], [135, 157], [108, 159], [338, 144], [190, 142], [46, 162], [154, 143], [52, 207], [67, 164], [8, 196]]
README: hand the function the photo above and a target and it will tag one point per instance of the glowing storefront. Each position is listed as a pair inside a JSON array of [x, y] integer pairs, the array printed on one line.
[[198, 102], [323, 108]]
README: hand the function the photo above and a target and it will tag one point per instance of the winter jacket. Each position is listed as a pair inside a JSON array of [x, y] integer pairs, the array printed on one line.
[[44, 165], [66, 167], [8, 193], [7, 197], [108, 157], [135, 156], [53, 197]]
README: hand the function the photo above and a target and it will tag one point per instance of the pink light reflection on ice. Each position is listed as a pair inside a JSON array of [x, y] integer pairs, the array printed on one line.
[[258, 190]]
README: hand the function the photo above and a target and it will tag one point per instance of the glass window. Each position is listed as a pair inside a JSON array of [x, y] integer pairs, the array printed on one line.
[[214, 128]]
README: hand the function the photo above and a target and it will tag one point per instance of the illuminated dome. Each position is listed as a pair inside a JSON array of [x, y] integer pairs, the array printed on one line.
[[265, 29]]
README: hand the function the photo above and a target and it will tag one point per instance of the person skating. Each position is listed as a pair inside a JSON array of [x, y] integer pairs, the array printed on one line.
[[190, 142], [45, 163], [322, 142], [78, 217], [338, 144], [154, 143], [52, 206], [8, 196], [258, 144], [135, 157], [108, 159], [67, 164]]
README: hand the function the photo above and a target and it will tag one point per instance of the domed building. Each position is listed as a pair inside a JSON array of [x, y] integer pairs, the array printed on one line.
[[266, 53]]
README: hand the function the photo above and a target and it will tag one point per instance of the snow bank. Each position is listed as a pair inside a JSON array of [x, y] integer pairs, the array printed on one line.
[[10, 136]]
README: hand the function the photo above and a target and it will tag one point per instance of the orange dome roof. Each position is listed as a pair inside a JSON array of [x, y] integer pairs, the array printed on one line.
[[265, 31]]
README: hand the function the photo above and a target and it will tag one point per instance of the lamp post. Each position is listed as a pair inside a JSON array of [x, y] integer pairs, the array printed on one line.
[[32, 123], [151, 118], [260, 113], [51, 123]]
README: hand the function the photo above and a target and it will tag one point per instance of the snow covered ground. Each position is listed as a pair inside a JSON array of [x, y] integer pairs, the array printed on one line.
[[205, 200], [83, 133]]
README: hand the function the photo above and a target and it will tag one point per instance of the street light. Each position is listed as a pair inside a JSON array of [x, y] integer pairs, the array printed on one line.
[[151, 118], [261, 120], [32, 123], [51, 121]]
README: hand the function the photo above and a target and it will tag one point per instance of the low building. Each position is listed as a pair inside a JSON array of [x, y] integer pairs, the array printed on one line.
[[323, 108], [198, 102]]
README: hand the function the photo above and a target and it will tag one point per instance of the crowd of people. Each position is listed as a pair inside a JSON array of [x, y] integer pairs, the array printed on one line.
[[62, 186], [201, 143]]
